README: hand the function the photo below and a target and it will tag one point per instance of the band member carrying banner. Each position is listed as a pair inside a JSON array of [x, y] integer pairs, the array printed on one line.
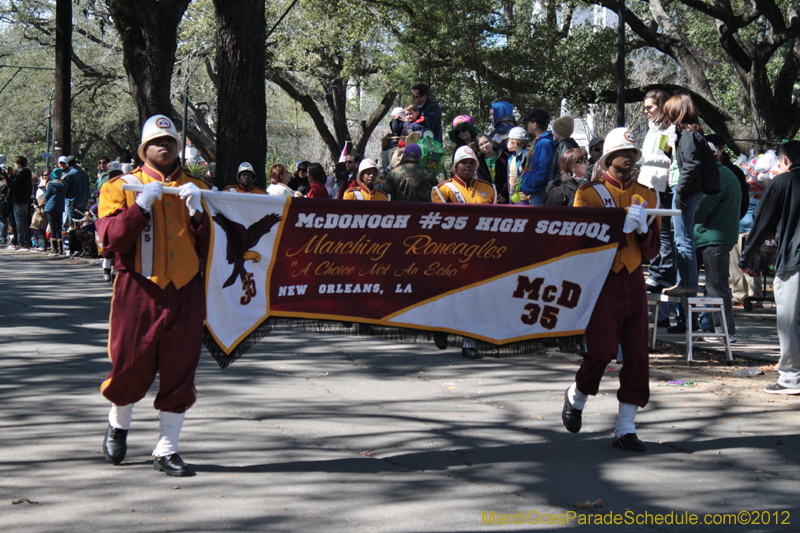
[[619, 318], [364, 188], [158, 307], [463, 188]]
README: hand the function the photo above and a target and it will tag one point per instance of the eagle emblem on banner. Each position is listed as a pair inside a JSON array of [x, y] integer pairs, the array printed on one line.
[[237, 251]]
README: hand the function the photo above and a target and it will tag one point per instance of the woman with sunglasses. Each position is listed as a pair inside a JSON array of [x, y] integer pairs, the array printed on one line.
[[299, 181], [654, 174], [573, 171]]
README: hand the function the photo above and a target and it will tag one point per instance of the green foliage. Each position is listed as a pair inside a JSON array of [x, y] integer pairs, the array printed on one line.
[[198, 170], [101, 102]]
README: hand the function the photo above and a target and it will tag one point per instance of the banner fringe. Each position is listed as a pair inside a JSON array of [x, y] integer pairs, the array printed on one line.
[[355, 329]]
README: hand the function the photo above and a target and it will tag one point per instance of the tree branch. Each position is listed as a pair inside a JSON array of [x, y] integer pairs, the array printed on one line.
[[374, 119], [309, 106], [567, 16], [711, 11], [382, 19]]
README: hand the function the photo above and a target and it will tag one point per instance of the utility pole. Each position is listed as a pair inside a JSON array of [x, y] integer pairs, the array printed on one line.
[[621, 65], [62, 129]]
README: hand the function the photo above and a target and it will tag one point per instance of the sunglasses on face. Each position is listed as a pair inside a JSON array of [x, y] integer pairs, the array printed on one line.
[[416, 96], [582, 160], [302, 170], [597, 149], [462, 130], [650, 107]]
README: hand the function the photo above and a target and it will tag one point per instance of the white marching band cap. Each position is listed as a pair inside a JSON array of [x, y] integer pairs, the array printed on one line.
[[245, 166], [156, 127], [618, 139]]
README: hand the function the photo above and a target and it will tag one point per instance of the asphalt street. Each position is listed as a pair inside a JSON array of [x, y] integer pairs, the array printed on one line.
[[312, 433]]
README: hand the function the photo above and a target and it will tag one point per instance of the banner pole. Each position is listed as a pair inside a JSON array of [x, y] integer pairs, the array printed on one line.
[[176, 190], [165, 190]]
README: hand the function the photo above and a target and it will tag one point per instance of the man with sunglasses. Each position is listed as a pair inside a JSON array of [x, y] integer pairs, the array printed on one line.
[[428, 108], [595, 151]]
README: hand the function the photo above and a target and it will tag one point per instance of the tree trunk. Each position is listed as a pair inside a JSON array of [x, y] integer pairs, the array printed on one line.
[[242, 108], [62, 129], [148, 29]]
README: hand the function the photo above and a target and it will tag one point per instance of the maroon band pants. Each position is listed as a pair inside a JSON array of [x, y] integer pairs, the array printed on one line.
[[619, 319], [154, 330]]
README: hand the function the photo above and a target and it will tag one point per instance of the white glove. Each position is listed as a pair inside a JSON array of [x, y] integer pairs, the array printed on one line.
[[631, 221], [639, 216], [151, 193], [191, 193]]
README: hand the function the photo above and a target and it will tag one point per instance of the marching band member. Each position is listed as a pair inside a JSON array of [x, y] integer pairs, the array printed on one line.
[[158, 307], [464, 187], [619, 318], [245, 178], [364, 188]]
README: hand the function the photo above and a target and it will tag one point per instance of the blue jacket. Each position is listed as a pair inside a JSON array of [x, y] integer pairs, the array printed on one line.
[[78, 185], [55, 196], [502, 111], [537, 172], [433, 116]]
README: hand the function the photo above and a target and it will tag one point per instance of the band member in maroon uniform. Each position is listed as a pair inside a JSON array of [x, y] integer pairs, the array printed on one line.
[[619, 318], [158, 307]]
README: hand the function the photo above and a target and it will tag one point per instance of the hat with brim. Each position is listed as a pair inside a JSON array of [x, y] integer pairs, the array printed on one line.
[[366, 164], [156, 127], [458, 123], [464, 152], [245, 167], [616, 140]]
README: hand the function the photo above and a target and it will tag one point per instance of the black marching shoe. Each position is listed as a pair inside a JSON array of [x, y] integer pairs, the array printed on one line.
[[172, 465], [570, 416], [106, 274], [440, 339], [471, 353], [115, 445], [630, 442]]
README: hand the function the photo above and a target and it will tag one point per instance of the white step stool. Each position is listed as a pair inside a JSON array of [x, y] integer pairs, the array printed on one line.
[[692, 305]]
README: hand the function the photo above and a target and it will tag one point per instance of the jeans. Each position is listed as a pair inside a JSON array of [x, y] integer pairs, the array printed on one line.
[[74, 212], [3, 229], [716, 259], [685, 256], [55, 218], [23, 219], [662, 268], [787, 301], [538, 199]]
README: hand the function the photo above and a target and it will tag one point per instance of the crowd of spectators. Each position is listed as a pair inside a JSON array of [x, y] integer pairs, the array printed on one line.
[[527, 159]]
